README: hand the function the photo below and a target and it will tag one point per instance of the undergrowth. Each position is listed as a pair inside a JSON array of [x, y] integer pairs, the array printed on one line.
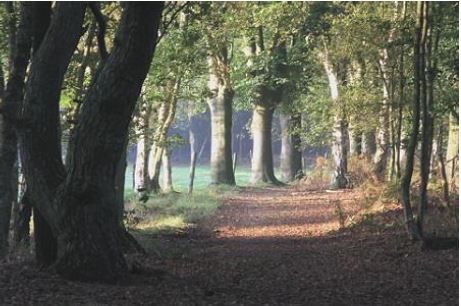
[[173, 212]]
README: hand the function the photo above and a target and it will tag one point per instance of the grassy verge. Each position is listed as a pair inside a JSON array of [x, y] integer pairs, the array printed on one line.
[[174, 213]]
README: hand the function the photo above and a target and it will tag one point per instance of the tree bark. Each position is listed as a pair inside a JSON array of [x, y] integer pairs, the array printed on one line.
[[355, 142], [220, 100], [340, 134], [167, 173], [382, 153], [368, 144], [141, 176], [452, 157], [290, 155], [10, 100], [166, 116], [81, 205], [262, 165], [405, 183]]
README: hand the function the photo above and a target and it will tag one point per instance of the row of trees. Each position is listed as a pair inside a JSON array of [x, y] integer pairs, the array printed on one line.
[[350, 77], [342, 75]]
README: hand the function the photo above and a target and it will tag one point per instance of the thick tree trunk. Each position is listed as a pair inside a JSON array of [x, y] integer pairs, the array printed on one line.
[[120, 184], [10, 99], [220, 104], [22, 230], [81, 205], [290, 155], [262, 165]]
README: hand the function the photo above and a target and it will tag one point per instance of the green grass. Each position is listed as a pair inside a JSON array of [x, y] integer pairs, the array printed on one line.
[[173, 213], [181, 178]]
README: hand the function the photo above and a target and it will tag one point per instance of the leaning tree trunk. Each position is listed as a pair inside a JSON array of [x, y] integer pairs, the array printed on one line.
[[20, 44], [220, 104], [262, 165], [80, 205], [291, 165]]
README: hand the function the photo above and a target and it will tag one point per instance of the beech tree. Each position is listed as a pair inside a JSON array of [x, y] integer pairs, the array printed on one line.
[[79, 204]]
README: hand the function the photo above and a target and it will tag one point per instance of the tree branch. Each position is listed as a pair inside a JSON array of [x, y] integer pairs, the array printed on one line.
[[102, 24]]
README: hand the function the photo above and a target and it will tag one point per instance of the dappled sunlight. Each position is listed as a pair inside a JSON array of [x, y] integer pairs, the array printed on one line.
[[286, 213]]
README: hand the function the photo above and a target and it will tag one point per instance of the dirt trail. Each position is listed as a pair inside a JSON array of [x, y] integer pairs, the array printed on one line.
[[267, 246]]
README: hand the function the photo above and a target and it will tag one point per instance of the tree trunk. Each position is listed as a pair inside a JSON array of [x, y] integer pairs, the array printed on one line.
[[120, 184], [368, 144], [142, 148], [290, 155], [10, 100], [355, 142], [262, 166], [166, 116], [405, 183], [167, 173], [428, 70], [80, 84], [339, 151], [340, 134], [452, 158], [443, 172], [193, 161], [81, 205], [383, 144], [220, 104]]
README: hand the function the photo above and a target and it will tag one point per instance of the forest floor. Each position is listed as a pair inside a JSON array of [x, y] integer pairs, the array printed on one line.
[[267, 246]]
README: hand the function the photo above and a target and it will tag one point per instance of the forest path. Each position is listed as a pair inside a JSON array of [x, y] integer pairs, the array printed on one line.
[[285, 246], [264, 246]]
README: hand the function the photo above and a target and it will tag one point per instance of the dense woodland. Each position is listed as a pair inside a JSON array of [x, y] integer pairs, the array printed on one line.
[[281, 87]]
